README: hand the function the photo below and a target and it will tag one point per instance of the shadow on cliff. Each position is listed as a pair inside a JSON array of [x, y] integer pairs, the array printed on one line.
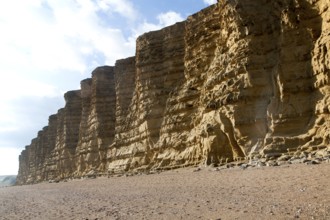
[[285, 108], [264, 87]]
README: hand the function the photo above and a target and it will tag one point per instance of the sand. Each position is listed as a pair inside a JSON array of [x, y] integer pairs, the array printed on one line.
[[286, 192]]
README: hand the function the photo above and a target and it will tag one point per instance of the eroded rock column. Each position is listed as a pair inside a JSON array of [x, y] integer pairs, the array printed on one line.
[[97, 128]]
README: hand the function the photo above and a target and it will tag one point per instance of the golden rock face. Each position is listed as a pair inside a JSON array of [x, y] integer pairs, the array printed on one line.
[[239, 79]]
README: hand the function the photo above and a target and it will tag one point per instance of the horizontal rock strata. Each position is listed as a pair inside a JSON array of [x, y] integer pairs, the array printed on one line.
[[239, 80]]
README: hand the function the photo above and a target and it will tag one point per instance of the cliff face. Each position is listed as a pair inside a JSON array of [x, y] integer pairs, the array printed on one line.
[[97, 125], [159, 70], [240, 79]]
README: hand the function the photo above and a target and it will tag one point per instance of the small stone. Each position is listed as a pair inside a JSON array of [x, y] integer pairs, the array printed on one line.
[[197, 169], [294, 161], [271, 163], [284, 158], [312, 162], [280, 163], [304, 160], [261, 164], [244, 166]]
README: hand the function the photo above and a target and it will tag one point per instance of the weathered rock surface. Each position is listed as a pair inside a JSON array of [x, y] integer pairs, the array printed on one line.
[[240, 80], [159, 70], [97, 125]]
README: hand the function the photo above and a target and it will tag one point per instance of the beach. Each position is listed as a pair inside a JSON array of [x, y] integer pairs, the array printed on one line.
[[296, 191]]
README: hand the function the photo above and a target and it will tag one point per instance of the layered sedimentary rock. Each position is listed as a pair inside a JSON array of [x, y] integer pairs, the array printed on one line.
[[240, 79], [49, 168], [159, 69], [37, 160], [97, 125], [125, 74], [68, 120]]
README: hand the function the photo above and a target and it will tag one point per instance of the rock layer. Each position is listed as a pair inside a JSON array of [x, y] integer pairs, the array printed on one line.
[[237, 80], [96, 131]]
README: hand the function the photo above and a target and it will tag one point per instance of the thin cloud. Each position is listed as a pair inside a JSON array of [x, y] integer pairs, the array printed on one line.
[[24, 87], [65, 38], [210, 2], [169, 18], [46, 50], [123, 7], [48, 46], [164, 19], [8, 160]]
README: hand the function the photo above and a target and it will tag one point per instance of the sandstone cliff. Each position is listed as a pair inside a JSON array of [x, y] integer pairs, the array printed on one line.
[[238, 80]]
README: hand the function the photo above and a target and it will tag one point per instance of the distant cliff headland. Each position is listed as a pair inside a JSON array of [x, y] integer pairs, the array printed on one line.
[[244, 80], [7, 180]]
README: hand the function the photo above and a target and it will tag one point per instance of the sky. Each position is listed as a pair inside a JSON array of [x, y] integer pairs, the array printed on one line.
[[49, 46]]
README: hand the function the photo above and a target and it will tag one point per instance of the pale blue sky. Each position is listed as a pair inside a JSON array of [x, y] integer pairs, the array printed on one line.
[[49, 46]]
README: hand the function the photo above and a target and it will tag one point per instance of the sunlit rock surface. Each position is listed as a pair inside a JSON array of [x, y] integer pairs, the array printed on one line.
[[246, 79]]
